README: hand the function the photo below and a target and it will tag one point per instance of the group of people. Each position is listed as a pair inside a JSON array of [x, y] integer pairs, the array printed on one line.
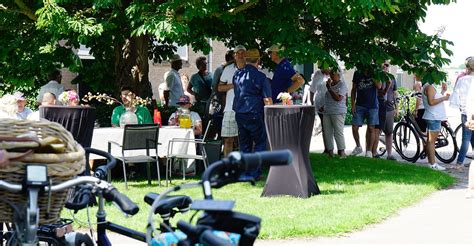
[[243, 88], [52, 93], [373, 102]]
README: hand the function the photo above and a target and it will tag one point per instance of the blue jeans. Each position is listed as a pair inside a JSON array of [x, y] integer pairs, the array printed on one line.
[[467, 137], [252, 135]]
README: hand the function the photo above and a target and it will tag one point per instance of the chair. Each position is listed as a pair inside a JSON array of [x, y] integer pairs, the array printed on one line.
[[175, 152], [78, 120], [139, 137], [177, 149]]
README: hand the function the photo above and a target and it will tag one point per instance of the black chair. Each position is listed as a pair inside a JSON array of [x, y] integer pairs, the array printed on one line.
[[78, 120], [139, 137]]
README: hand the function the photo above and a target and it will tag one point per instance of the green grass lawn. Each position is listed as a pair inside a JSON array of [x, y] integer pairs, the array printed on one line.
[[355, 192]]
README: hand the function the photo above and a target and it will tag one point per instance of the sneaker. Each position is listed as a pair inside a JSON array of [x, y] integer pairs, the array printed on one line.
[[438, 167], [342, 154], [368, 154], [357, 150], [391, 158]]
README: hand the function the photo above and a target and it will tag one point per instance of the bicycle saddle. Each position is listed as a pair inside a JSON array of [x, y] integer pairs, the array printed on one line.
[[165, 207]]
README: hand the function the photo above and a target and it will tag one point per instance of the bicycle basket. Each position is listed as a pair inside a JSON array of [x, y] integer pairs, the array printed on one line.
[[61, 166]]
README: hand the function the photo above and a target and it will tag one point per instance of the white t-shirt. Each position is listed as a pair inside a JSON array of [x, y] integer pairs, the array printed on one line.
[[51, 87], [318, 87], [461, 92], [470, 102], [435, 112], [226, 78], [174, 86], [24, 115]]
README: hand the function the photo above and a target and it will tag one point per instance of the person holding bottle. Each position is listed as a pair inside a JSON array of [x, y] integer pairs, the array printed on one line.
[[183, 114]]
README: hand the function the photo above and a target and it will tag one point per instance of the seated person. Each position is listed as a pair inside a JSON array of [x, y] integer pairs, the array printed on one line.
[[142, 113], [48, 99], [23, 111], [184, 102], [8, 107]]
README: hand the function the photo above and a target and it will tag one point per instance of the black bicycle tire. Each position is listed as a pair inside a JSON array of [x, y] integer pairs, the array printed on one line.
[[459, 143], [458, 128], [453, 138], [396, 142]]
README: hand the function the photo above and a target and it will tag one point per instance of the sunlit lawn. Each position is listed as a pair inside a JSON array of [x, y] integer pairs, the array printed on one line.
[[356, 192]]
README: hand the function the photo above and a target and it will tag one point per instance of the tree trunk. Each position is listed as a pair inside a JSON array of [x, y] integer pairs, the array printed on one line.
[[132, 67]]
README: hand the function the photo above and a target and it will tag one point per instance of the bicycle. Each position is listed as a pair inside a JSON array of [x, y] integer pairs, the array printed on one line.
[[458, 134], [25, 222], [28, 232], [407, 136], [217, 215]]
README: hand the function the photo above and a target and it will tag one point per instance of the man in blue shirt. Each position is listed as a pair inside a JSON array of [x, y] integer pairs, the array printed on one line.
[[252, 92], [364, 106], [285, 78]]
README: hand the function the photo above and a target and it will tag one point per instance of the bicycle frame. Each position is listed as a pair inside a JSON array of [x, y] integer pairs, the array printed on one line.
[[103, 225]]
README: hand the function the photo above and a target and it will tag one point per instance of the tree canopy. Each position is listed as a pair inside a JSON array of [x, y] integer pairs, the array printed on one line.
[[124, 34]]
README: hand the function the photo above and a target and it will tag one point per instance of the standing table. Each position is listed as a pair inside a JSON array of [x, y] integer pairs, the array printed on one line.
[[289, 127]]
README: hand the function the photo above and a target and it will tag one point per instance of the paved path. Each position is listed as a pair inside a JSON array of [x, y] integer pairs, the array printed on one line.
[[443, 218]]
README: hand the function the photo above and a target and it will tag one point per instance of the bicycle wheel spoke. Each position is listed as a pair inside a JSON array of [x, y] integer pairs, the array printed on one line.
[[406, 142], [445, 146]]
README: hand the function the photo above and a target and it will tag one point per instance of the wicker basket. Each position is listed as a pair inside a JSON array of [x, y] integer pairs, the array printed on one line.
[[61, 167]]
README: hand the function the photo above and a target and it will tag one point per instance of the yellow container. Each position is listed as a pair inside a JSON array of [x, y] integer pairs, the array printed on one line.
[[185, 122]]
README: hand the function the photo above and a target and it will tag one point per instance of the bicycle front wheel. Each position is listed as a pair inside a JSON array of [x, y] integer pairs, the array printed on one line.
[[445, 146], [406, 142]]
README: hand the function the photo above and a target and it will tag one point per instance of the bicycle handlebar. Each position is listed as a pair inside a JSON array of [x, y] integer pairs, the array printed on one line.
[[228, 170], [102, 171], [125, 204], [110, 193]]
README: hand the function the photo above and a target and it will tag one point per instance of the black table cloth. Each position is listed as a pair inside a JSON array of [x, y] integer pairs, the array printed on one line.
[[79, 121], [290, 127]]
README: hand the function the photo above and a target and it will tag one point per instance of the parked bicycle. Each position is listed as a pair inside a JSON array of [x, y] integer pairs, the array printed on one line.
[[25, 229], [458, 134], [218, 216], [408, 138]]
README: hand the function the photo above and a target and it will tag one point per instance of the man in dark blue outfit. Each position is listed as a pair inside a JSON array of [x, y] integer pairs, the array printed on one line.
[[285, 78], [252, 92]]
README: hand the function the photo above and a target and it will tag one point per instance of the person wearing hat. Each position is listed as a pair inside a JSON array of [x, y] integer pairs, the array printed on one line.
[[229, 129], [23, 111], [285, 78], [174, 86], [252, 92], [142, 113], [462, 98], [184, 102]]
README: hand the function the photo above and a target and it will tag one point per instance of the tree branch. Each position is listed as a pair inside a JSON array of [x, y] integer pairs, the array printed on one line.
[[243, 7], [26, 10]]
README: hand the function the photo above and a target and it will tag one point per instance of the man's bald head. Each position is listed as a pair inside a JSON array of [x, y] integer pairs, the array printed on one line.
[[48, 99]]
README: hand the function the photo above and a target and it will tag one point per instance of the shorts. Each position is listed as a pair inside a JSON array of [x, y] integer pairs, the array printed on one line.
[[390, 118], [433, 125], [229, 125], [361, 113]]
